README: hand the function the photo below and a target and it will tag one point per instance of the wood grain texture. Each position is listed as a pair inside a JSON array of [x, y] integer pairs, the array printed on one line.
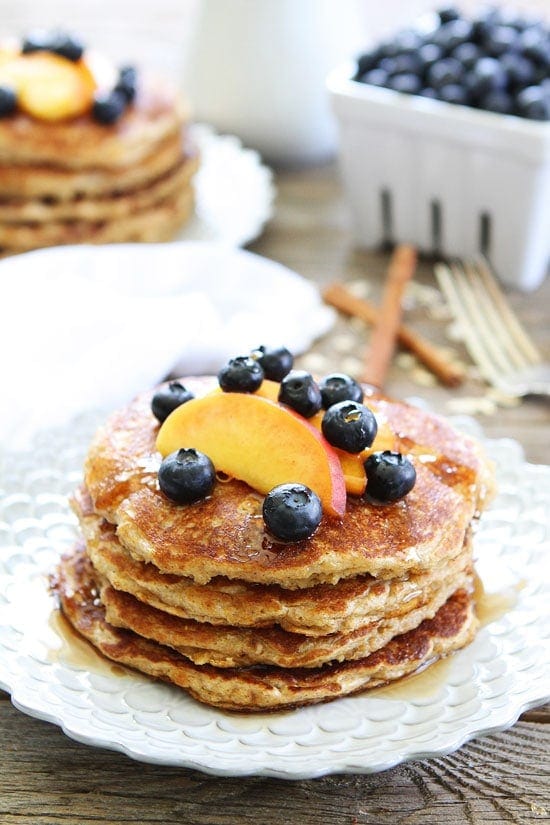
[[46, 778]]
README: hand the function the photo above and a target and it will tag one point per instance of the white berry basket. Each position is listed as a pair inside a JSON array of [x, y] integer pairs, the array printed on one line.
[[451, 180]]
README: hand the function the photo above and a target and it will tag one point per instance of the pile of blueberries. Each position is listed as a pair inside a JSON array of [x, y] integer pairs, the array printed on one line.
[[108, 106], [291, 512], [497, 61]]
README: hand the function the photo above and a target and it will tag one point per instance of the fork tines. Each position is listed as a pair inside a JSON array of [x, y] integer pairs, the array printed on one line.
[[495, 339]]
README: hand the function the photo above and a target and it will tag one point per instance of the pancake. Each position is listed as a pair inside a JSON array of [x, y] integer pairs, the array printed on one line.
[[225, 646], [47, 182], [259, 687], [224, 534], [155, 116], [157, 222], [316, 611], [106, 207]]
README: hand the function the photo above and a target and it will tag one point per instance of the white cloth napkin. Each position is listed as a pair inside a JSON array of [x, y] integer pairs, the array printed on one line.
[[86, 327]]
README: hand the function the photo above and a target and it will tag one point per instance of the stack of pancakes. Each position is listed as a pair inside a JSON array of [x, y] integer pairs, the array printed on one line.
[[201, 596], [80, 181]]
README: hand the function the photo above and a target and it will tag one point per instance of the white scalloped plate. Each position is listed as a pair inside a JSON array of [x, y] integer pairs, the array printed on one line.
[[480, 689], [234, 191]]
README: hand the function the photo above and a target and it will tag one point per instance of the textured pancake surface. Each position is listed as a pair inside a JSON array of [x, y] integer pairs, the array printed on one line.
[[259, 687], [224, 534], [82, 143], [317, 611]]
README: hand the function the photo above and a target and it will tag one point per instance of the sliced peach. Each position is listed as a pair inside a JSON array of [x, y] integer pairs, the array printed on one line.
[[50, 87], [257, 441]]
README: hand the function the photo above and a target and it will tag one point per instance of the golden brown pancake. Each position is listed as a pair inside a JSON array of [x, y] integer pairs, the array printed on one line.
[[18, 214], [225, 646], [81, 143], [158, 222], [316, 611], [224, 534], [48, 182], [259, 687]]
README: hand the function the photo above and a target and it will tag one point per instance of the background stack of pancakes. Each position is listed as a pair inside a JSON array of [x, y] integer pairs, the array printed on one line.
[[77, 180], [200, 595]]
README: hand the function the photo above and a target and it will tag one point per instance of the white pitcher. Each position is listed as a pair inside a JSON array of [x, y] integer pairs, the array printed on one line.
[[257, 69]]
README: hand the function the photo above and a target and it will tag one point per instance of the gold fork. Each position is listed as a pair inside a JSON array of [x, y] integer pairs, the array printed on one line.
[[496, 341]]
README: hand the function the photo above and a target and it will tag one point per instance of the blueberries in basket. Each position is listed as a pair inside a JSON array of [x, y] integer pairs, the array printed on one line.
[[443, 72], [487, 61], [534, 103]]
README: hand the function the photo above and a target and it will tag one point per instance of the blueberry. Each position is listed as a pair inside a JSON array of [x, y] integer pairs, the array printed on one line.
[[454, 93], [390, 476], [448, 13], [468, 54], [519, 69], [276, 362], [299, 391], [108, 107], [68, 46], [292, 512], [407, 83], [127, 83], [452, 34], [241, 374], [444, 72], [427, 55], [534, 103], [497, 101], [167, 398], [486, 76], [427, 91], [339, 387], [186, 476], [38, 40], [501, 40], [365, 63], [8, 101], [61, 43], [376, 77], [349, 426], [534, 43], [407, 63]]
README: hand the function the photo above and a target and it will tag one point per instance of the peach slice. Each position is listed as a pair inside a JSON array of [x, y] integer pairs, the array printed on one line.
[[50, 87], [352, 463], [257, 441]]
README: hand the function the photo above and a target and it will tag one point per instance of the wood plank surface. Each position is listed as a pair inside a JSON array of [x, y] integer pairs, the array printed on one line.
[[45, 778]]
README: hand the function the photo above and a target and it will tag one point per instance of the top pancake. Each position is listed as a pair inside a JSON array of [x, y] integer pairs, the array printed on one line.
[[155, 115], [224, 535]]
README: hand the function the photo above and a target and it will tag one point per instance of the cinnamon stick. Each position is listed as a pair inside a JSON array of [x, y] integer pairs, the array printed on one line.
[[342, 299], [384, 336]]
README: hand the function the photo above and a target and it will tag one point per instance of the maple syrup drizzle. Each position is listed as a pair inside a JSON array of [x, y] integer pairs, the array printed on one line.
[[75, 651], [427, 681]]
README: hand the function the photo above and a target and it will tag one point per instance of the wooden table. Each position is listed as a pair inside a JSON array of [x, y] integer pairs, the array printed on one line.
[[46, 778]]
